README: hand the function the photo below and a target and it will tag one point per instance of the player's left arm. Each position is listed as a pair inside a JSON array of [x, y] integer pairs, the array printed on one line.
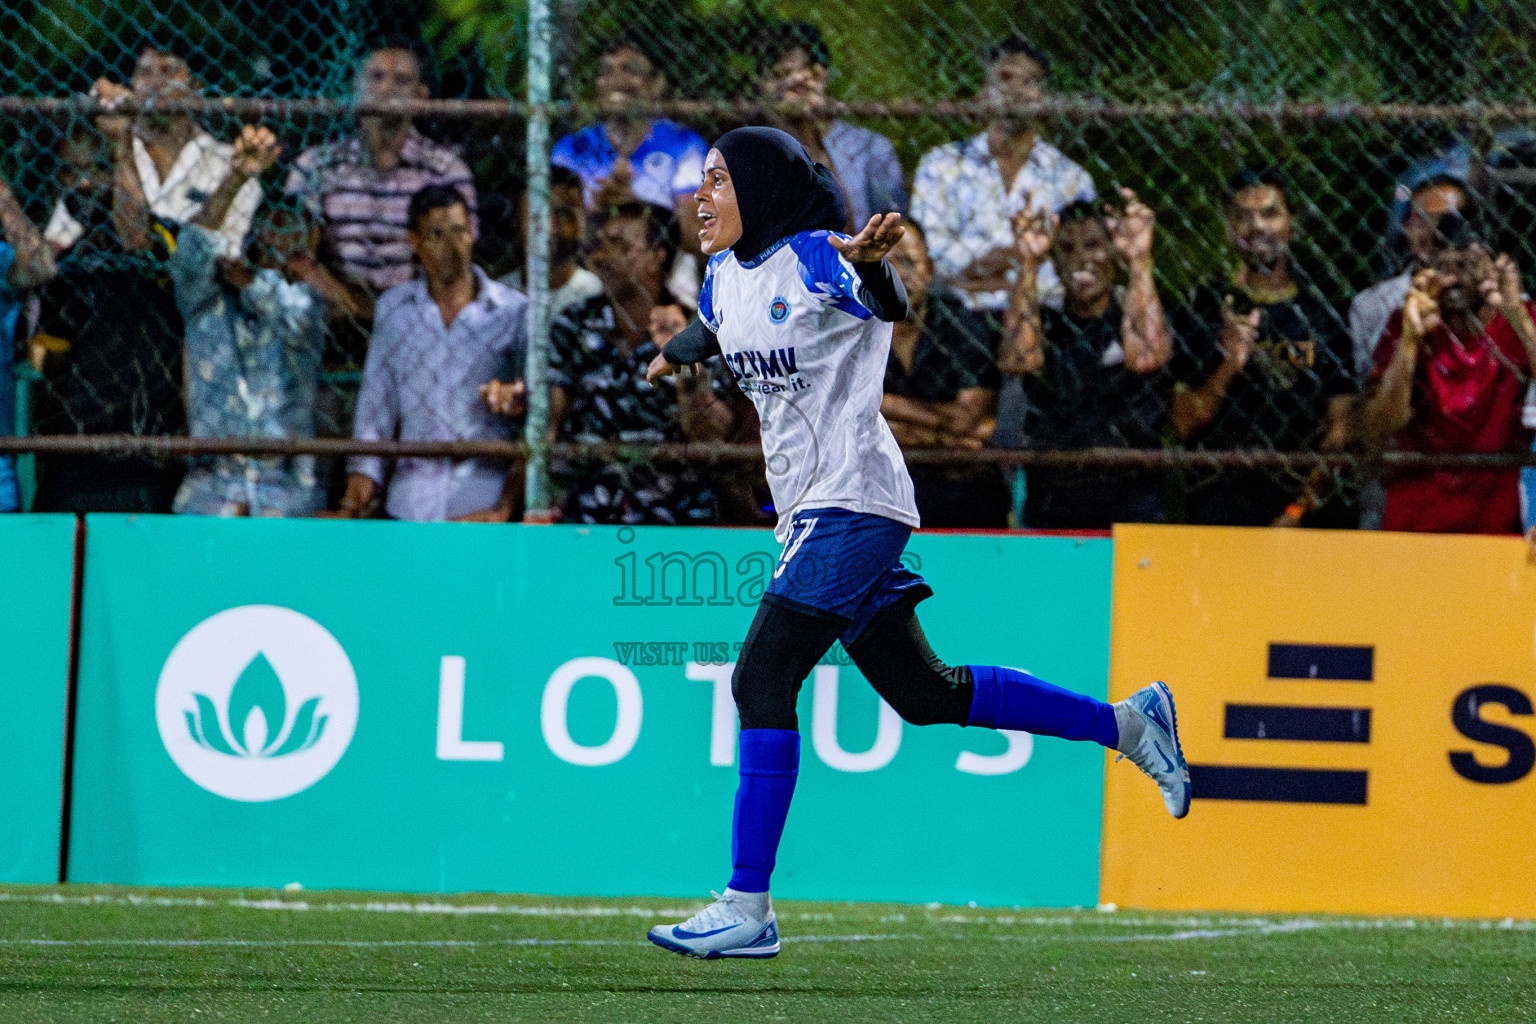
[[685, 346], [684, 353], [880, 288]]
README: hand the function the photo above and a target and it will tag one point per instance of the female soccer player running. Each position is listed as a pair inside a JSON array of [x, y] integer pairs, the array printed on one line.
[[802, 316]]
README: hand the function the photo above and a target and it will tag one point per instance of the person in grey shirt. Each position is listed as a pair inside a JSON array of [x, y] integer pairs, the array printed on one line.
[[1371, 309], [437, 342], [796, 67]]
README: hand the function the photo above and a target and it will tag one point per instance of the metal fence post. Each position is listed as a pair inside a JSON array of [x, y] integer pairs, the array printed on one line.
[[26, 462], [536, 489]]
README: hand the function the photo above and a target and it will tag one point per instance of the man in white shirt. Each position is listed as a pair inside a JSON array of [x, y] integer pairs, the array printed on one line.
[[966, 193], [166, 156]]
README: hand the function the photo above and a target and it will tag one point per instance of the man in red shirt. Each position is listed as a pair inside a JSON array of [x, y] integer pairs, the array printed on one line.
[[1451, 373]]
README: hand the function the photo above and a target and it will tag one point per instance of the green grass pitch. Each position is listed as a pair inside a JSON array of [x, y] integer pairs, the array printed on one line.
[[97, 954]]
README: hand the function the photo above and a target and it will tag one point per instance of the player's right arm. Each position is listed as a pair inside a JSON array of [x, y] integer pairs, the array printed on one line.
[[694, 343]]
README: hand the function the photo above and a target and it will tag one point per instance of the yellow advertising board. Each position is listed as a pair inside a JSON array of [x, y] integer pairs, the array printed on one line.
[[1356, 709]]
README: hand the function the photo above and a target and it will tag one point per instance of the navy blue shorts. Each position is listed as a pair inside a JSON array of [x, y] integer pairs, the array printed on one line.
[[846, 567]]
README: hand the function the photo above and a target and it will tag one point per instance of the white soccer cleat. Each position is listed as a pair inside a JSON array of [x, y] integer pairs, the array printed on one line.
[[1149, 736], [730, 926]]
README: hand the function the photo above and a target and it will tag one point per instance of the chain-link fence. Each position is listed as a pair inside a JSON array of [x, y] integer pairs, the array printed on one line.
[[1298, 159]]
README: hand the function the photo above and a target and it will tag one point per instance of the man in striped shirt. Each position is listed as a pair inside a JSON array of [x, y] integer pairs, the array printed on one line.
[[361, 185]]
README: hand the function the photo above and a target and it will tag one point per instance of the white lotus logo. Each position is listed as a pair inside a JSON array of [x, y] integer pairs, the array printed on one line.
[[256, 703]]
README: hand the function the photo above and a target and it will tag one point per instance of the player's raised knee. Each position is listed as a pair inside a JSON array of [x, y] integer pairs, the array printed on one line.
[[920, 712]]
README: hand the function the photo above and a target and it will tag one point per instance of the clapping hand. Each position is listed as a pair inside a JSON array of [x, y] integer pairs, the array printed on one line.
[[870, 245], [1032, 235], [1238, 333], [1021, 357], [1501, 284], [256, 149], [113, 126], [505, 398], [1131, 231], [1421, 309]]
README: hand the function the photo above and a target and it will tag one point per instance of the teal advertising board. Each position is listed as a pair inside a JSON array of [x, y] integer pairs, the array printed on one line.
[[546, 709], [36, 570]]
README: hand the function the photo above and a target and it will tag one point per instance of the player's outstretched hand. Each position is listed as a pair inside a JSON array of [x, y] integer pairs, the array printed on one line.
[[660, 368], [879, 237]]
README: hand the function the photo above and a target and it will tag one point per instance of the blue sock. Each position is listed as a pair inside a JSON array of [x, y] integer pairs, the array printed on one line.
[[770, 760], [1005, 698]]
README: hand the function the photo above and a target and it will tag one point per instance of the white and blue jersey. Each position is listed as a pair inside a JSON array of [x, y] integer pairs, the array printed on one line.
[[812, 359]]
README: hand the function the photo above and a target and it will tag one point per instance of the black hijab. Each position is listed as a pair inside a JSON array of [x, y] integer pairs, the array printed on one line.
[[779, 190]]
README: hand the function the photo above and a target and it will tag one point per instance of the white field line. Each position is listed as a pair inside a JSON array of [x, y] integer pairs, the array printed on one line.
[[1186, 935], [329, 943], [1259, 929], [387, 943], [532, 910], [372, 907], [1191, 927]]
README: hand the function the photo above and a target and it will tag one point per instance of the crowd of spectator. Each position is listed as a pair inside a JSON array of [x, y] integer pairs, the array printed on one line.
[[1036, 320]]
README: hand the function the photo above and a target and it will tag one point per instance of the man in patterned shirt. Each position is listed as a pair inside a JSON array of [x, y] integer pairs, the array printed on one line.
[[599, 352], [361, 185], [966, 193], [254, 336]]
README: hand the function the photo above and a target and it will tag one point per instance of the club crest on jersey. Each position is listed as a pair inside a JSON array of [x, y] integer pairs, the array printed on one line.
[[778, 310]]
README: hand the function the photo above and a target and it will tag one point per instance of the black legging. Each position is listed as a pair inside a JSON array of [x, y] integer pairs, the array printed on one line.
[[784, 644]]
